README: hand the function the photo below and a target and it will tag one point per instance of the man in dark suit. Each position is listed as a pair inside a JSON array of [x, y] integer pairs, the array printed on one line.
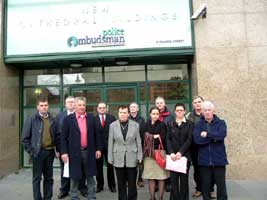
[[135, 116], [80, 147], [65, 182], [103, 120]]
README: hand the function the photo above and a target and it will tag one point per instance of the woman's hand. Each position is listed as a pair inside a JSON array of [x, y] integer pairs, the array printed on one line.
[[156, 136], [178, 155], [173, 157]]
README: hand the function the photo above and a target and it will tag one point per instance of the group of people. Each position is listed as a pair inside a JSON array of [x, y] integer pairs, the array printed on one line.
[[84, 142]]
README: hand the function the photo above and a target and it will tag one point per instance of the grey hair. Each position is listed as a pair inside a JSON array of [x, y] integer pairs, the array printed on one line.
[[80, 99], [159, 98], [208, 104], [134, 104]]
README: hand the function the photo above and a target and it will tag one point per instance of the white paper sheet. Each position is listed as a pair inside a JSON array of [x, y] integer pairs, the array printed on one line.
[[66, 172], [177, 165]]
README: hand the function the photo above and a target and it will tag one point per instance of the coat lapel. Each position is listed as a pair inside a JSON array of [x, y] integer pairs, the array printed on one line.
[[75, 122], [118, 128], [129, 132]]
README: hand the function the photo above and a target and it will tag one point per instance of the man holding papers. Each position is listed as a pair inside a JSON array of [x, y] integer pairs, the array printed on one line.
[[81, 146], [209, 134], [179, 138]]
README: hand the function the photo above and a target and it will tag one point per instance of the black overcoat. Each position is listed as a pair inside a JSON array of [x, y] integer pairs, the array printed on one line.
[[71, 144]]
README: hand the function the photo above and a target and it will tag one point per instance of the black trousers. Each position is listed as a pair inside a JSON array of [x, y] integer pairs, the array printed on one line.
[[42, 165], [100, 174], [126, 175], [196, 174], [207, 174], [180, 185], [65, 182]]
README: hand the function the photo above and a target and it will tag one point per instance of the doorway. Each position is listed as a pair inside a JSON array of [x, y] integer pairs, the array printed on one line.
[[112, 94]]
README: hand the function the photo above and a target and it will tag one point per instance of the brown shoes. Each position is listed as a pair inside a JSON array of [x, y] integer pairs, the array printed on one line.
[[196, 194]]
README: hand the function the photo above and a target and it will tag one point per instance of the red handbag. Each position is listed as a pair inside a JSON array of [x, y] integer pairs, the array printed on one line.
[[160, 156]]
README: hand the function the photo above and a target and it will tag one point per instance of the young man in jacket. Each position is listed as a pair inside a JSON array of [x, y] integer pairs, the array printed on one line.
[[209, 134], [38, 139]]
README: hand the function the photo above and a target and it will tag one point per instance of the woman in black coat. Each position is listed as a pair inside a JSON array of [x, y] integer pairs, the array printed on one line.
[[179, 138], [155, 129]]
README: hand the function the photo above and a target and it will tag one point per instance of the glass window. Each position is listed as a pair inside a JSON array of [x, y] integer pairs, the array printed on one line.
[[82, 75], [124, 95], [142, 88], [41, 77], [167, 72], [170, 91], [31, 94], [92, 95], [125, 73]]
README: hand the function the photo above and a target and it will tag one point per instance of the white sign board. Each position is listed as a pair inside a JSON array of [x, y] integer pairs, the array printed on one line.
[[58, 26]]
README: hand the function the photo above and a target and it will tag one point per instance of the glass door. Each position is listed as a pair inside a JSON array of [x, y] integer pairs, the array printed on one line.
[[119, 95], [112, 95]]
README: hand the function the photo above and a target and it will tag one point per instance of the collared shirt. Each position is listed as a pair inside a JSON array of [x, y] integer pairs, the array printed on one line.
[[68, 112], [180, 122], [44, 115], [83, 129], [101, 119], [100, 116]]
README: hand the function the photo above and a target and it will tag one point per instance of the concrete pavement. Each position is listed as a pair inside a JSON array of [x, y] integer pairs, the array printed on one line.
[[18, 187]]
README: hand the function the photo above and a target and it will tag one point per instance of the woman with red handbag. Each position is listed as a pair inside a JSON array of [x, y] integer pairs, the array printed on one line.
[[154, 138]]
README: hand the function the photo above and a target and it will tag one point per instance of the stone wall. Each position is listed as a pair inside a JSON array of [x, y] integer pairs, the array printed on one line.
[[231, 70], [9, 115]]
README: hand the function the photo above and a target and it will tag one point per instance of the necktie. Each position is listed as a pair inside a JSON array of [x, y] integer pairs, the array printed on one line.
[[103, 121]]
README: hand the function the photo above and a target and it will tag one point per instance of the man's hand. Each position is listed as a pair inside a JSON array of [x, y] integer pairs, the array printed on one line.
[[65, 158], [204, 134], [98, 154]]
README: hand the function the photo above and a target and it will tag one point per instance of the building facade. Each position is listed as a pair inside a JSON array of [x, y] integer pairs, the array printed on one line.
[[221, 57]]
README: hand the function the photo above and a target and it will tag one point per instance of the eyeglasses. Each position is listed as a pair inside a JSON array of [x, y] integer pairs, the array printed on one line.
[[179, 110], [102, 107]]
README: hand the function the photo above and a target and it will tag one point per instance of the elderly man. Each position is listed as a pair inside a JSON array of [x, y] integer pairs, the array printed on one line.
[[39, 140], [80, 147], [209, 134], [195, 116]]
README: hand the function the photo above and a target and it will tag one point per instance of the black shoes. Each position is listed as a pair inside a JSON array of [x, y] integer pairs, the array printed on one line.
[[168, 187], [113, 189], [84, 193], [99, 189], [62, 195]]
